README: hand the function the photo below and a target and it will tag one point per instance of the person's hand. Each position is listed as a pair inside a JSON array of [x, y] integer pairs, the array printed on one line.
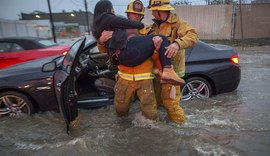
[[105, 36], [172, 50], [157, 40]]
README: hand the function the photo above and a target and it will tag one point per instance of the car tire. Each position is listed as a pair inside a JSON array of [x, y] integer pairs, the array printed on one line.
[[196, 87], [15, 104]]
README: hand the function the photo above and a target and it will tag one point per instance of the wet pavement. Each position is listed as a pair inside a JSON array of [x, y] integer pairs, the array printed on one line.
[[235, 123]]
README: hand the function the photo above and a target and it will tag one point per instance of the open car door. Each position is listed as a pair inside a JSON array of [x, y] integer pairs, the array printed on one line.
[[65, 83]]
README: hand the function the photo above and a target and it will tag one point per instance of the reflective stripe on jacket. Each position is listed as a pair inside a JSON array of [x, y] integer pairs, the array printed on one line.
[[136, 77]]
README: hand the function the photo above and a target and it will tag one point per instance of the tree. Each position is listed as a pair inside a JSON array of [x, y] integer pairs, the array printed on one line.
[[181, 2], [217, 2]]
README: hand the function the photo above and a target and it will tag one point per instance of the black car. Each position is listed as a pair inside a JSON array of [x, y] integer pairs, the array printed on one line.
[[85, 77], [211, 69], [32, 86]]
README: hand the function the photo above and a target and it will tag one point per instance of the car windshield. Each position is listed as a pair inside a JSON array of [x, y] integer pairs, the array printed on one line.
[[47, 43]]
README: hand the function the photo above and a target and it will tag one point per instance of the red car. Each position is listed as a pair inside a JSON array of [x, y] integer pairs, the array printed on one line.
[[21, 49]]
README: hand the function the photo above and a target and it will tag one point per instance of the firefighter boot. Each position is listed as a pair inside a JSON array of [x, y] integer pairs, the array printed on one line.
[[169, 76]]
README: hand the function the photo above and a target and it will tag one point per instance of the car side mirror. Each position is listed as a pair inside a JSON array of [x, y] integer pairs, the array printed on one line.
[[49, 67]]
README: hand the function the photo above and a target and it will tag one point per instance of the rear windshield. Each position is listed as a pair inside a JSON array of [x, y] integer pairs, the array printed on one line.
[[47, 43]]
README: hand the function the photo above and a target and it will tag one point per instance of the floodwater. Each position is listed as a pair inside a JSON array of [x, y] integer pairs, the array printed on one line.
[[235, 123]]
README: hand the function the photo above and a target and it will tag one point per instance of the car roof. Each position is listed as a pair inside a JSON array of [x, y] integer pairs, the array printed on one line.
[[27, 43], [20, 38]]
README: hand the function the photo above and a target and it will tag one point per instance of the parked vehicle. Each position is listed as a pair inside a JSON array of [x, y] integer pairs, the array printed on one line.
[[84, 79], [211, 69], [15, 50], [29, 87]]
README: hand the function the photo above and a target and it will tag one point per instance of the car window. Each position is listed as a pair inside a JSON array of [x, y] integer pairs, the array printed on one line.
[[5, 47], [8, 47], [16, 47], [47, 43], [94, 50], [70, 57]]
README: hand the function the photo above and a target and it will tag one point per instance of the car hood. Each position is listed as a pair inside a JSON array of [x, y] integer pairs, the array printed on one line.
[[25, 68]]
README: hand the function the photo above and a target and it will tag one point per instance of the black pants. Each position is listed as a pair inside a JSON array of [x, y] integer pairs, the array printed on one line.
[[140, 48]]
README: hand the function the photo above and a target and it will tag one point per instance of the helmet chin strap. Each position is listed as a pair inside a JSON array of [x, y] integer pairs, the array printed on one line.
[[159, 15], [142, 17]]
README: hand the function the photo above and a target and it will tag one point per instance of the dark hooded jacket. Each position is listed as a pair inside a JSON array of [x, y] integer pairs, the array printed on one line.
[[108, 21]]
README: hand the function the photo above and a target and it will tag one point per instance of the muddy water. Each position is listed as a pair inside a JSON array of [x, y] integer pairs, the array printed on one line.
[[235, 123]]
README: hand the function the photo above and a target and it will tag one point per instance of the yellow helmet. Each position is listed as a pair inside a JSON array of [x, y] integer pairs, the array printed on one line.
[[160, 5], [135, 6]]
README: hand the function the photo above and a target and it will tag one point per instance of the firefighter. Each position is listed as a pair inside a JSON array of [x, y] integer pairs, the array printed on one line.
[[134, 81], [181, 35]]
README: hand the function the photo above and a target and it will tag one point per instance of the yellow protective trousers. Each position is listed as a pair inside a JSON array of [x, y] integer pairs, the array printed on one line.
[[172, 105], [125, 91]]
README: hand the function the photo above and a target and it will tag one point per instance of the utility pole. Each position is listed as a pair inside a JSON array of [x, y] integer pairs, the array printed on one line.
[[51, 21], [241, 24], [86, 14]]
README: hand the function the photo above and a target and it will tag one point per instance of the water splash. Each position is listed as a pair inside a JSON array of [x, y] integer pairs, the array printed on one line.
[[223, 123], [28, 146], [32, 146], [141, 121], [213, 150]]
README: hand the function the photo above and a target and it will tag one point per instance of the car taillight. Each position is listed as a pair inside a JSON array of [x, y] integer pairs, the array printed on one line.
[[235, 59], [64, 53]]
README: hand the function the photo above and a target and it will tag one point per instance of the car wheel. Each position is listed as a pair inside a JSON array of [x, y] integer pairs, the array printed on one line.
[[196, 87], [15, 104]]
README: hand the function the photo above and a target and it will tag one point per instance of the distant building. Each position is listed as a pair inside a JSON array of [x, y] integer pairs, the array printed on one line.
[[67, 24]]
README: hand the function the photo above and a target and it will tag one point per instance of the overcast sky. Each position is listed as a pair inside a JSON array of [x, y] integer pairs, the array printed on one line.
[[11, 9]]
